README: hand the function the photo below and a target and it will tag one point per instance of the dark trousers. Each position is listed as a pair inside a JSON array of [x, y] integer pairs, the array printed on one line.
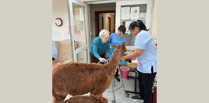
[[145, 85], [95, 60], [116, 74]]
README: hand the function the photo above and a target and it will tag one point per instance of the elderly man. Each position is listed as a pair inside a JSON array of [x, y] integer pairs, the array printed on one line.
[[98, 46]]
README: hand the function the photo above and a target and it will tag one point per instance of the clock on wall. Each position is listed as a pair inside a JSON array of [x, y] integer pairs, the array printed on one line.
[[58, 22]]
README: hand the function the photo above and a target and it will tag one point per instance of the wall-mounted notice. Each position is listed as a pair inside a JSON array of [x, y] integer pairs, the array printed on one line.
[[134, 13], [81, 13], [79, 25], [125, 12]]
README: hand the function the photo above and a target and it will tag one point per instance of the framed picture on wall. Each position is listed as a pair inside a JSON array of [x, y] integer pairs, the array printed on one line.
[[135, 13]]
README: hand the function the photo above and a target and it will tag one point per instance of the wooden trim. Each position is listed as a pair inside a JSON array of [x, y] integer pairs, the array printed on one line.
[[96, 24], [102, 22], [109, 18], [108, 11], [114, 24]]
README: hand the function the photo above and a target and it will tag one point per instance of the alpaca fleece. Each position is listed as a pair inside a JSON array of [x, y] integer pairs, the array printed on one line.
[[86, 99], [81, 78]]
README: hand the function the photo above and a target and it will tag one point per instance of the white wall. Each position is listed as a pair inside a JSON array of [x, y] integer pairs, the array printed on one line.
[[154, 25], [59, 9]]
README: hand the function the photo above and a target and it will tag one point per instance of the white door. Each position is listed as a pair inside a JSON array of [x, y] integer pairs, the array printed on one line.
[[144, 14], [79, 31]]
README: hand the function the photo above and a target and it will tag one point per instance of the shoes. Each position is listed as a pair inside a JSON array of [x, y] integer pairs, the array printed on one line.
[[137, 98], [116, 77]]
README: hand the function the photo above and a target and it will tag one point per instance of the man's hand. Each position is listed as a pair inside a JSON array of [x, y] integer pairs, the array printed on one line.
[[102, 59]]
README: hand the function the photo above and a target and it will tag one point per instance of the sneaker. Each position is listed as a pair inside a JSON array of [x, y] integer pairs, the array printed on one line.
[[116, 77], [137, 98]]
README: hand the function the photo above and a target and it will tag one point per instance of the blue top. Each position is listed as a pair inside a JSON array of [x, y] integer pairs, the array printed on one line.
[[98, 48], [54, 50], [114, 40], [148, 58]]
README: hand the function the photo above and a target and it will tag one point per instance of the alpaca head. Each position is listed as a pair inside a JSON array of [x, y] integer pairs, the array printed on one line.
[[121, 47]]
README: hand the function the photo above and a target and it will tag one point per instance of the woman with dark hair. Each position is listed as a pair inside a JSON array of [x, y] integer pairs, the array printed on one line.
[[146, 54], [117, 39]]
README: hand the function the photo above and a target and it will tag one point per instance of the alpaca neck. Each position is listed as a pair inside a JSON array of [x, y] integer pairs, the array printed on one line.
[[113, 62]]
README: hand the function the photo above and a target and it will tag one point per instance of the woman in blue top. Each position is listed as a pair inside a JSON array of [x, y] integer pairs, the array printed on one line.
[[117, 39], [146, 53]]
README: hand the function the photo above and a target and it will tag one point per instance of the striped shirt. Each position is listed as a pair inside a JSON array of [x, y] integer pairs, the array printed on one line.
[[148, 58]]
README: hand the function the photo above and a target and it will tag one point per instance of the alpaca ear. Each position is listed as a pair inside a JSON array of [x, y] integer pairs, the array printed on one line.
[[125, 43], [113, 46]]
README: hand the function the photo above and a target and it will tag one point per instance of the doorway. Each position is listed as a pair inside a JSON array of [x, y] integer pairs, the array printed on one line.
[[104, 20], [99, 13]]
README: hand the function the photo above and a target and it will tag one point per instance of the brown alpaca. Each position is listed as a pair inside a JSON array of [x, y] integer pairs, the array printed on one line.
[[81, 78], [86, 99]]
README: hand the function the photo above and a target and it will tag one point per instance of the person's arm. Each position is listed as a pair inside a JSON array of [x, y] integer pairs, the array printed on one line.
[[140, 45], [95, 47], [136, 53], [108, 48], [110, 38], [54, 50], [95, 50]]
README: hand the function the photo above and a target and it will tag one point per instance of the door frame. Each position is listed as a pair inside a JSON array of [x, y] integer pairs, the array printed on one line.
[[71, 25], [109, 20]]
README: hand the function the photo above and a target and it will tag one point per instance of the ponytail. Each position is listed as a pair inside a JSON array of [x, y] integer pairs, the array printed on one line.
[[139, 24]]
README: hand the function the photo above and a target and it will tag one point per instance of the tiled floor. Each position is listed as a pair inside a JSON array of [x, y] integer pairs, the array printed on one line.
[[120, 93]]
